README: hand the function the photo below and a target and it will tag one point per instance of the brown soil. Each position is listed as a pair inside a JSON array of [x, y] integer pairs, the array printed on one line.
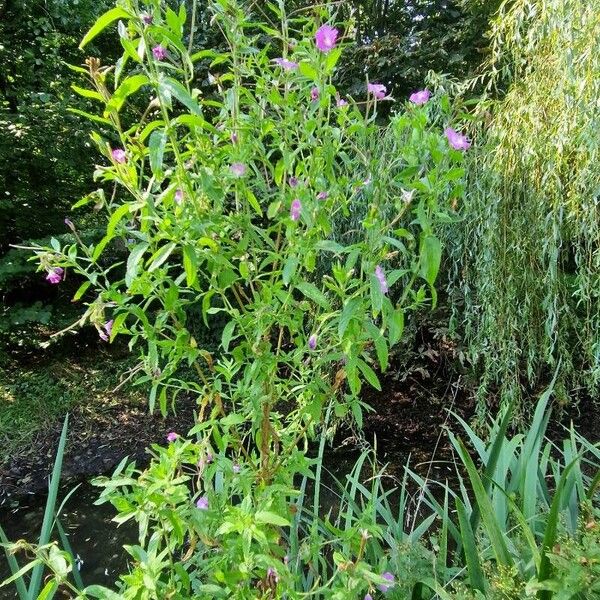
[[99, 438]]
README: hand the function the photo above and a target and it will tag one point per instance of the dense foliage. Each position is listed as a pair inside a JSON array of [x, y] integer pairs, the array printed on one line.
[[400, 41], [45, 158], [528, 263], [523, 525], [221, 209], [249, 190]]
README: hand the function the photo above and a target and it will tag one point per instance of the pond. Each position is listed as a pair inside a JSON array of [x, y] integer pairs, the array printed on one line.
[[97, 542]]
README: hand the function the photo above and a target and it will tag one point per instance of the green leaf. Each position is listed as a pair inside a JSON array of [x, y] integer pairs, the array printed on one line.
[[102, 23], [203, 54], [382, 352], [492, 461], [454, 174], [152, 398], [131, 51], [551, 531], [437, 588], [395, 326], [348, 312], [18, 576], [48, 521], [309, 71], [82, 290], [89, 116], [128, 86], [369, 374], [332, 59], [227, 335], [173, 21], [160, 256], [315, 294], [486, 509], [133, 261], [289, 269], [101, 592], [49, 590], [330, 246], [14, 567], [190, 264], [118, 325], [115, 219], [265, 516], [92, 94], [431, 256], [469, 544], [170, 87], [376, 295], [253, 202], [156, 149]]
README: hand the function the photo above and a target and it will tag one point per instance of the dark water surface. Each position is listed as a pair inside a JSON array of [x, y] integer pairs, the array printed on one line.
[[96, 541]]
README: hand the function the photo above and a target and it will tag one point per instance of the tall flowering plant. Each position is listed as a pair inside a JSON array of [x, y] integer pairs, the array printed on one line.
[[225, 205]]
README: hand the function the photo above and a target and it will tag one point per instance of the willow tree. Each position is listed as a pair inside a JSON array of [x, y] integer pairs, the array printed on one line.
[[529, 268]]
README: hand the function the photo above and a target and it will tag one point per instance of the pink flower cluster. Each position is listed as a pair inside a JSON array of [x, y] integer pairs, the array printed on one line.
[[159, 52], [326, 38], [378, 90], [421, 97], [106, 331], [380, 276], [55, 275], [295, 210], [458, 141]]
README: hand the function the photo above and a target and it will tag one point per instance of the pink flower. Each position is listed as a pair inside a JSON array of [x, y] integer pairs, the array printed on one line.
[[312, 341], [236, 468], [286, 65], [293, 182], [55, 275], [340, 102], [147, 18], [420, 97], [179, 196], [202, 503], [322, 196], [377, 89], [171, 436], [368, 597], [457, 140], [295, 209], [159, 52], [119, 156], [234, 138], [326, 38], [272, 574], [238, 169], [314, 94], [389, 577], [380, 274], [106, 331]]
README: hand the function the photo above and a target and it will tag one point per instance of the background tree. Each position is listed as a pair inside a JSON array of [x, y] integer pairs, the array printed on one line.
[[527, 262]]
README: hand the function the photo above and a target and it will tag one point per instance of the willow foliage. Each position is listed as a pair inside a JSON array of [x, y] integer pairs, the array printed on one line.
[[529, 251]]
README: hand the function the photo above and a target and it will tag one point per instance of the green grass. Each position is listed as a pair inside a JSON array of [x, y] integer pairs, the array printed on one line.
[[36, 396]]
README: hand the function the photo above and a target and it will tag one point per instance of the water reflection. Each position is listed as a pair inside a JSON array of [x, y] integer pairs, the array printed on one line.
[[94, 538]]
